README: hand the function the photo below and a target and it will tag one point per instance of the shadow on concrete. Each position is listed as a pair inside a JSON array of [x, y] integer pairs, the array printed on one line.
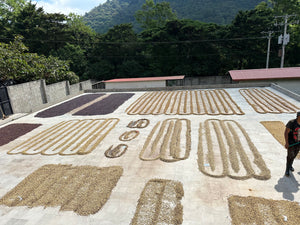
[[288, 186]]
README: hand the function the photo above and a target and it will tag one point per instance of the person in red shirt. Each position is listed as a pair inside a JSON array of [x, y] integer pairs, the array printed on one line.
[[292, 142]]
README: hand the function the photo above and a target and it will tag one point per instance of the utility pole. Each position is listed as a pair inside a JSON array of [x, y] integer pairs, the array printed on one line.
[[269, 45], [284, 40]]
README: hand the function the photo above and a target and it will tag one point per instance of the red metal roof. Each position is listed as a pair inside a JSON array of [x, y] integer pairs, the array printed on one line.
[[264, 74], [145, 79]]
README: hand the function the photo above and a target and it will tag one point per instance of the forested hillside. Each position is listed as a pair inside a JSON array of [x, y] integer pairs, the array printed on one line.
[[115, 12], [38, 45]]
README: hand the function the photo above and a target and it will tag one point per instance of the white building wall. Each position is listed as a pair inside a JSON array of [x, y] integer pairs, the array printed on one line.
[[137, 84]]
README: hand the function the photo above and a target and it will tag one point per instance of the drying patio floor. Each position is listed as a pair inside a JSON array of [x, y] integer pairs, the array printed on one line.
[[174, 160]]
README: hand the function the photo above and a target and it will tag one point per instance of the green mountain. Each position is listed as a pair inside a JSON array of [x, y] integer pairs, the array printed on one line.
[[114, 12]]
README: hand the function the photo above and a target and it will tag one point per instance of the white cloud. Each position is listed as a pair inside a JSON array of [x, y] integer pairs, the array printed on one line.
[[67, 6]]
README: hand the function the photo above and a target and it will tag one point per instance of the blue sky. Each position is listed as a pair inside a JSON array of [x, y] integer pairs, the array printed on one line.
[[66, 6]]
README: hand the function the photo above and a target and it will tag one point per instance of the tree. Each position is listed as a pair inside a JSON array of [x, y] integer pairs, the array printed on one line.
[[76, 57], [181, 47], [9, 9], [42, 31], [154, 15], [18, 65], [248, 49], [80, 39], [81, 34], [115, 52], [282, 7], [291, 8]]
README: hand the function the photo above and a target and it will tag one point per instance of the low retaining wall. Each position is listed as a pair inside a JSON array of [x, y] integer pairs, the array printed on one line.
[[286, 91], [171, 88], [35, 95]]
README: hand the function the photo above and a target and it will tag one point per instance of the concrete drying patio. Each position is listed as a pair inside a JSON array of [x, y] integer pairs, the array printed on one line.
[[146, 152]]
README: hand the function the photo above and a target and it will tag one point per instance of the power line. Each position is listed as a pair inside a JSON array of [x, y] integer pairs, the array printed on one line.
[[139, 42]]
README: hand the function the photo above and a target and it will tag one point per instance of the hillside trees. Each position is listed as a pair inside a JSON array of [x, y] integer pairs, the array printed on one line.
[[248, 46], [50, 34], [154, 15], [166, 46], [115, 54], [80, 39], [114, 12], [187, 47], [182, 47]]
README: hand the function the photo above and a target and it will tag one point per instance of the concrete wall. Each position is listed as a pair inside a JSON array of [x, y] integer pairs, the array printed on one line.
[[286, 91], [73, 89], [292, 85], [203, 80], [36, 95], [141, 84], [84, 85], [27, 96], [57, 91], [187, 81]]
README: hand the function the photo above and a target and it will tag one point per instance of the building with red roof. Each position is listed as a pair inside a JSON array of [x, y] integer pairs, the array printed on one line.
[[142, 82], [288, 77]]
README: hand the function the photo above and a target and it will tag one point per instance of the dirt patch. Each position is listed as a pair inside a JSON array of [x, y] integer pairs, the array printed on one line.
[[225, 149], [67, 138], [254, 210], [116, 152], [105, 106], [82, 189], [13, 131], [68, 106], [141, 123], [265, 101], [159, 203], [200, 102], [276, 128], [168, 141]]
